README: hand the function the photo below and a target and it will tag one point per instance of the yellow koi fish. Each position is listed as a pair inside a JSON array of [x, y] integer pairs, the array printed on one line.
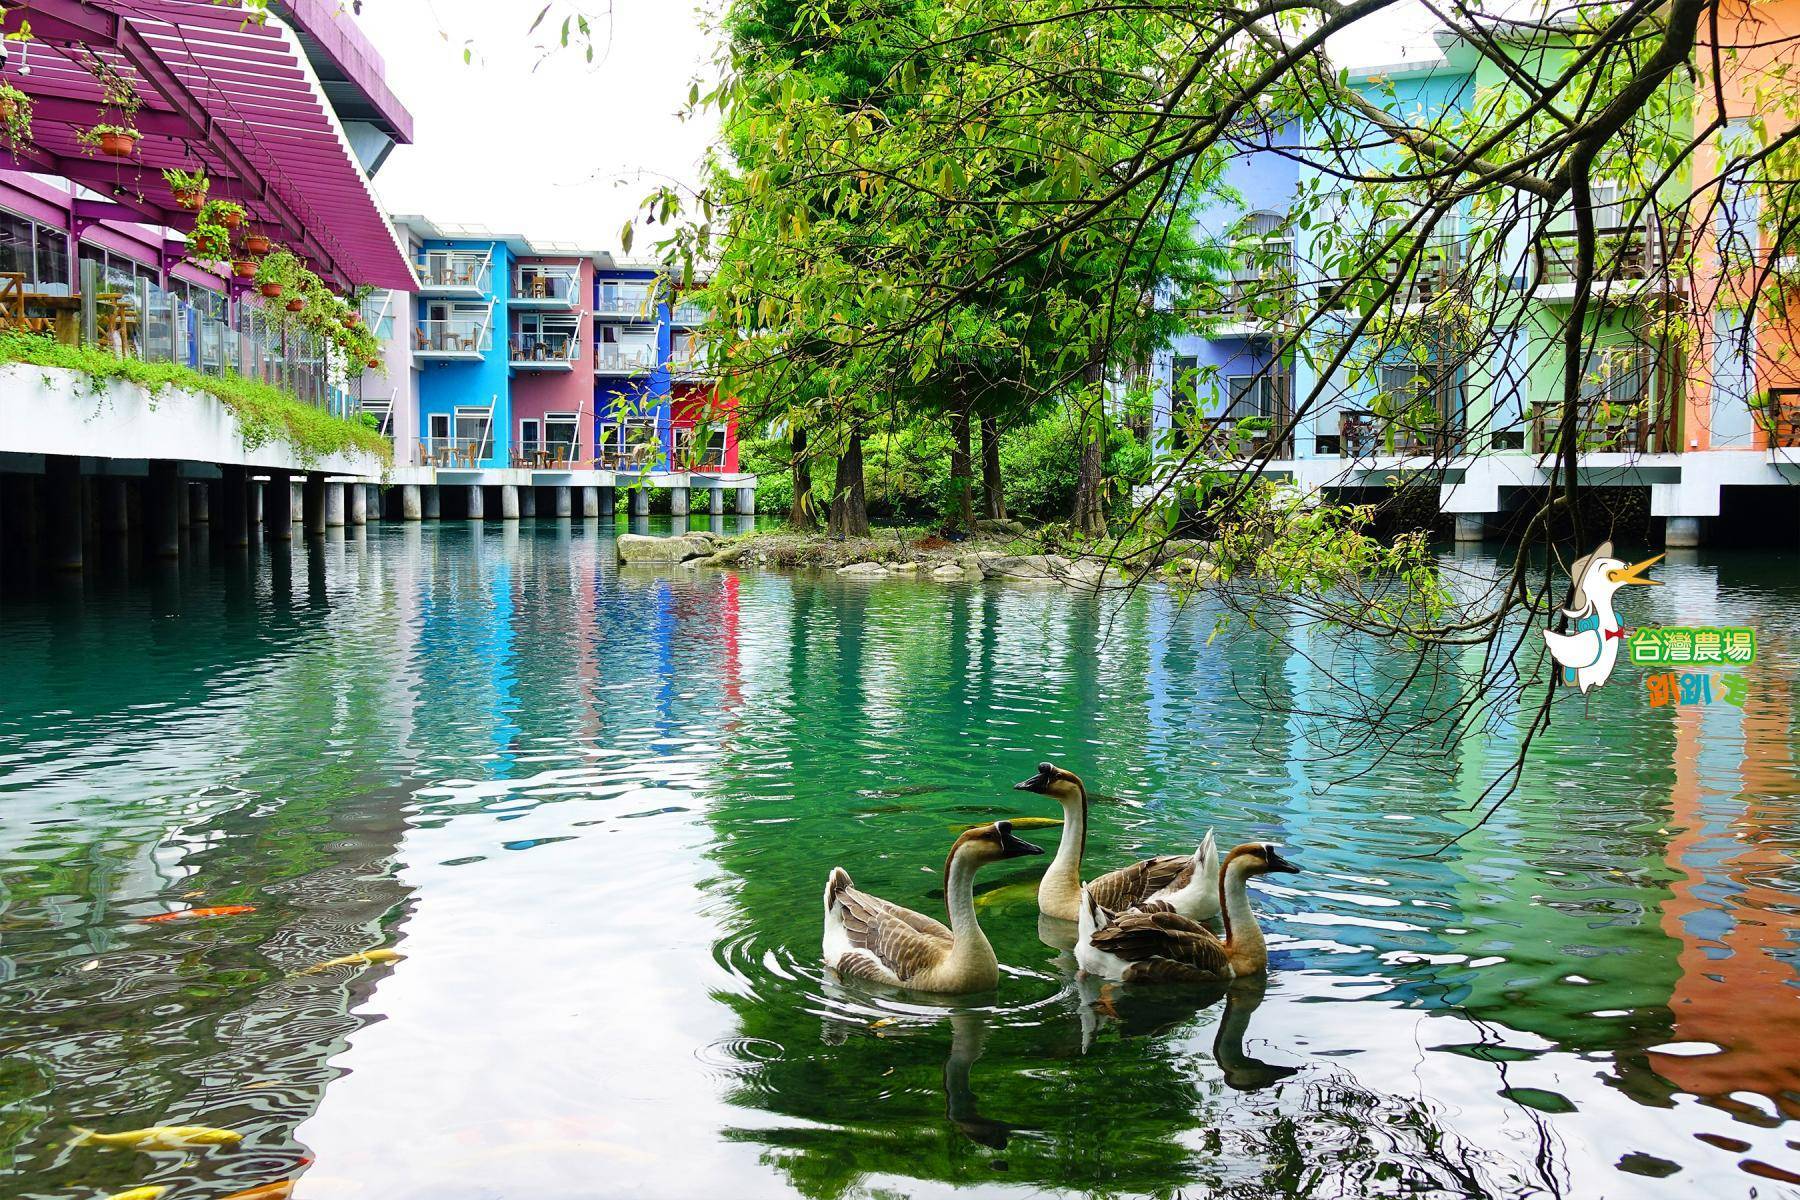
[[147, 1192], [281, 1189], [364, 959], [157, 1137]]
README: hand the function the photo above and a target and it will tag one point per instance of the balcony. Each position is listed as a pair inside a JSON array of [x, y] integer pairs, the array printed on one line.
[[626, 304], [1619, 408], [624, 360], [545, 288], [1631, 260], [687, 358], [463, 273], [628, 445], [556, 454], [466, 453], [1255, 414], [1366, 434], [458, 338], [686, 315], [1782, 418], [544, 351]]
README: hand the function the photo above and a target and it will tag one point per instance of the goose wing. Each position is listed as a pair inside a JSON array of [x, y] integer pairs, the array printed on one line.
[[1126, 886], [1162, 945], [1576, 650], [903, 941]]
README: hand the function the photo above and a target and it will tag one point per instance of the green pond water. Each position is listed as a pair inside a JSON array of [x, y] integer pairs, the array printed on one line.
[[595, 809]]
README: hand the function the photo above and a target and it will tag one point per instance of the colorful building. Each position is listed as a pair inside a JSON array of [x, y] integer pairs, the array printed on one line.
[[1690, 418], [520, 363]]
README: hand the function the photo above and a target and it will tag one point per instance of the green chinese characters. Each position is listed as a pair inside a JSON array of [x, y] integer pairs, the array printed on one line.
[[1683, 645]]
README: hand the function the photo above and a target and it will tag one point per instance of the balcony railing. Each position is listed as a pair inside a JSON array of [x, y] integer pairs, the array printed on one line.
[[687, 314], [1623, 422], [1783, 418], [637, 304], [454, 271], [457, 337], [455, 451], [687, 359], [549, 351], [555, 454], [546, 287], [1627, 256], [629, 446], [624, 360], [1255, 414], [1366, 434]]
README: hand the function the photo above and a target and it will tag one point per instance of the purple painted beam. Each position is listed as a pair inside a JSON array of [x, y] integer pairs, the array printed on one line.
[[332, 28]]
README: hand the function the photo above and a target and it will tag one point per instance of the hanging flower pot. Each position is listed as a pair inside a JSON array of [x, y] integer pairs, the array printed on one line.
[[351, 320], [232, 217], [373, 363], [190, 200], [243, 269], [118, 145], [9, 108], [271, 290], [296, 304], [255, 243]]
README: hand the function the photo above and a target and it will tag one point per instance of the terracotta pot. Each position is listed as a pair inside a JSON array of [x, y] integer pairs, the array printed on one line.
[[296, 304], [373, 363], [118, 145], [351, 321], [230, 219], [244, 270], [271, 290], [8, 108], [190, 199], [256, 243]]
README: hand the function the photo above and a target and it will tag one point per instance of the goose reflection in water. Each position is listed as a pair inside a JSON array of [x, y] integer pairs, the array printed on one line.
[[968, 1036], [1149, 1012]]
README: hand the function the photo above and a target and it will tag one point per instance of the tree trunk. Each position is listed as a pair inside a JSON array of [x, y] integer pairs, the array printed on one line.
[[962, 466], [1089, 517], [800, 509], [849, 506], [992, 490]]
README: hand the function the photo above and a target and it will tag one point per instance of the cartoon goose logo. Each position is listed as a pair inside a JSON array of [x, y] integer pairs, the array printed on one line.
[[1588, 652]]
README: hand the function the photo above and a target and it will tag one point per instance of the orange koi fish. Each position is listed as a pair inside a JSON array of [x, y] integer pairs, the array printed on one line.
[[198, 914]]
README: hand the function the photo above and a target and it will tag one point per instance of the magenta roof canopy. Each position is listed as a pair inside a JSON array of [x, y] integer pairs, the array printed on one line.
[[219, 91]]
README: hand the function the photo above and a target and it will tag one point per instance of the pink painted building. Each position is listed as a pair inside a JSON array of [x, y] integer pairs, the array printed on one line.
[[550, 309]]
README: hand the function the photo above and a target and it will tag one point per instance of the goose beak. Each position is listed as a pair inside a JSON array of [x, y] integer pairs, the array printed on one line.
[[1634, 573], [1039, 783], [1014, 847], [1280, 864]]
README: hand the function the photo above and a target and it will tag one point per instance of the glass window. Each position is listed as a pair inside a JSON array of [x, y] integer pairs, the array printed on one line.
[[52, 259], [15, 245]]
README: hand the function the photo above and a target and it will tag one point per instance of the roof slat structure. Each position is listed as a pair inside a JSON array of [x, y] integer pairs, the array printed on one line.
[[220, 90]]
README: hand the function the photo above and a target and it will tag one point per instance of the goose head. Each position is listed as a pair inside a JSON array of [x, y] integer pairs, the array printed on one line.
[[1052, 781], [1260, 858], [1598, 575], [991, 843]]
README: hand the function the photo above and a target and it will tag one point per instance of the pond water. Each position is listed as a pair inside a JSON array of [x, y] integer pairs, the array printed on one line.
[[594, 810]]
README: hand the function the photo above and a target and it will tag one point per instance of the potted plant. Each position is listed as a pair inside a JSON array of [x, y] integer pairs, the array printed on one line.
[[257, 244], [296, 304], [223, 212], [15, 115], [188, 187], [208, 243], [244, 269], [276, 272], [115, 141]]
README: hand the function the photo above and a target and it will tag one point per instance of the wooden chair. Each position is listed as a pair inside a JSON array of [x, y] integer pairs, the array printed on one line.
[[12, 300]]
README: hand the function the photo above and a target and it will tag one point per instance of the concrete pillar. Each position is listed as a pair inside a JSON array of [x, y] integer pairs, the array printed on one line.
[[640, 502], [296, 502], [184, 502], [199, 504], [1470, 527], [253, 497], [233, 526], [527, 501], [410, 508], [509, 502], [590, 502], [715, 501], [746, 498], [312, 501], [608, 497], [278, 509], [115, 504], [334, 505], [63, 524], [559, 496], [359, 503], [1682, 532], [162, 510], [678, 502], [477, 507], [429, 502]]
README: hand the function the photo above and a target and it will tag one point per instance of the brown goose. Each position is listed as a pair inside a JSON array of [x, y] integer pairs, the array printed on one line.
[[1155, 944], [1184, 881], [867, 937]]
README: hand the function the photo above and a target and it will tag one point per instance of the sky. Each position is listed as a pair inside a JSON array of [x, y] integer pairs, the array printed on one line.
[[528, 138]]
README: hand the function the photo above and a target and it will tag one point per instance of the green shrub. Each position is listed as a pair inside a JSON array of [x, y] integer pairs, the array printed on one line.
[[264, 413]]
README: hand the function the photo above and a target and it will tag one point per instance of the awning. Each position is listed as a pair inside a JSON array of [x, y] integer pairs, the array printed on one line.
[[218, 91]]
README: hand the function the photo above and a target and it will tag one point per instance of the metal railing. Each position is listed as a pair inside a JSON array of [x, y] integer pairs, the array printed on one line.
[[630, 445], [1618, 257], [547, 455], [546, 285], [1366, 434], [456, 335], [455, 451], [631, 358], [545, 348], [689, 357], [687, 314], [1784, 420], [626, 302], [454, 270]]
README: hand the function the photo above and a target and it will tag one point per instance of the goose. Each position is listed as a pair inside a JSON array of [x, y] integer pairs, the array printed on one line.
[[869, 938], [1185, 882], [1155, 944], [1588, 653]]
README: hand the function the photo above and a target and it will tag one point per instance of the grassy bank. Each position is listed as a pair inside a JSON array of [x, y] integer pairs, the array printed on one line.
[[264, 413]]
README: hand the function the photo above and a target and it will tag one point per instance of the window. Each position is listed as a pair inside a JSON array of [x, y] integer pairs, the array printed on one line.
[[473, 426], [1184, 390], [528, 436], [439, 426], [1249, 397], [1613, 211], [37, 251], [559, 433]]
